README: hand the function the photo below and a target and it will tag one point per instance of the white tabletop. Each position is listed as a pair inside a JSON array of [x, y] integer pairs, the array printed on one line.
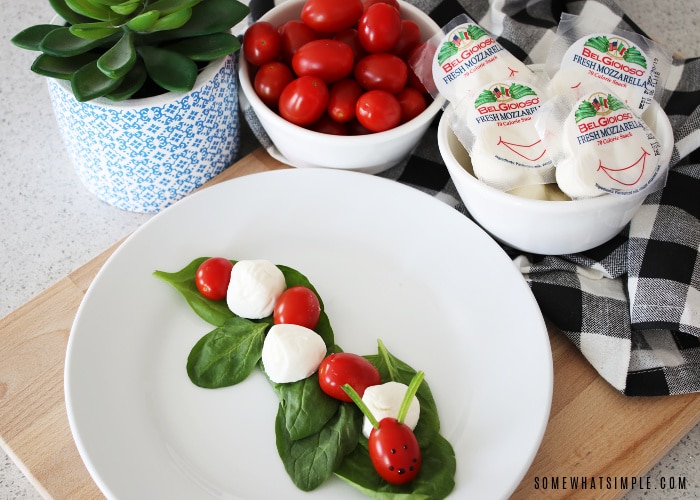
[[50, 225]]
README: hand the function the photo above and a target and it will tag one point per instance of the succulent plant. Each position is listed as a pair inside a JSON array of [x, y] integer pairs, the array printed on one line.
[[120, 48]]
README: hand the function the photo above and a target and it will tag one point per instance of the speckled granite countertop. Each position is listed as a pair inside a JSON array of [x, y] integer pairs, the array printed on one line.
[[51, 225]]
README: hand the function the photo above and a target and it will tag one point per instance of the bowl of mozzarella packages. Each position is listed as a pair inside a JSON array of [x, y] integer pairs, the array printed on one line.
[[554, 158]]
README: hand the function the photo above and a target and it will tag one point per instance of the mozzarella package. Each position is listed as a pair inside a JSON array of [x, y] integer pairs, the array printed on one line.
[[599, 145], [463, 58], [633, 66], [494, 96], [574, 126], [495, 123]]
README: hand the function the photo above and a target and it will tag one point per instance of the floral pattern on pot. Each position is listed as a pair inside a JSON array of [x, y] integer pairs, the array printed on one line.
[[142, 155]]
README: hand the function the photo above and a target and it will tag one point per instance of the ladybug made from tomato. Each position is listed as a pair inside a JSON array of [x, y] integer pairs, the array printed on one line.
[[392, 445], [394, 451]]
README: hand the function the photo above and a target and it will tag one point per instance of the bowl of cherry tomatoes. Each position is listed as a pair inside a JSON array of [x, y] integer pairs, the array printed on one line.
[[331, 84]]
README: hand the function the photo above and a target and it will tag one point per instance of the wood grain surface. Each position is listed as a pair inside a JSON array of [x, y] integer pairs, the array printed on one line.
[[594, 432]]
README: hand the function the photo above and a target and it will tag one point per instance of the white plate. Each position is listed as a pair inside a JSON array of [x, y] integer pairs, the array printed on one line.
[[389, 262]]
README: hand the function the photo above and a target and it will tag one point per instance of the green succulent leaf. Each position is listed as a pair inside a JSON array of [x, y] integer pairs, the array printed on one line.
[[108, 3], [30, 38], [113, 48], [170, 70], [126, 8], [65, 12], [94, 31], [218, 15], [212, 16], [143, 22], [62, 43], [60, 67], [131, 83], [166, 7], [118, 61], [89, 9], [172, 21], [207, 47], [89, 83]]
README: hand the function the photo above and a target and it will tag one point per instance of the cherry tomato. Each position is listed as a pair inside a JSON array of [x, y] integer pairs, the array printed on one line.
[[293, 35], [343, 96], [394, 451], [270, 80], [331, 16], [261, 43], [213, 276], [379, 28], [368, 3], [412, 103], [381, 71], [297, 305], [409, 39], [342, 368], [378, 110], [350, 37], [326, 125], [304, 100], [330, 60]]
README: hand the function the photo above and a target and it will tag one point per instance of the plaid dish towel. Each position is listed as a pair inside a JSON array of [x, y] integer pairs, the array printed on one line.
[[631, 305]]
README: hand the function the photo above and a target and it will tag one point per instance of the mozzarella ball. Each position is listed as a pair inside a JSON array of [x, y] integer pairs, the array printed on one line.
[[385, 400], [292, 352], [254, 288]]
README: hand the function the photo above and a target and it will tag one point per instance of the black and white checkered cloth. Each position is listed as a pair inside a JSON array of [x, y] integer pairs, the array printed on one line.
[[632, 305]]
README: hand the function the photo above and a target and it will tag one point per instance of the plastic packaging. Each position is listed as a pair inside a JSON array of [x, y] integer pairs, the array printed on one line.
[[599, 145], [633, 66], [463, 58], [496, 126]]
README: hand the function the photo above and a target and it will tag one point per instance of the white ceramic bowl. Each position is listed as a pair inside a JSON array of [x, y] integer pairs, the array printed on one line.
[[369, 153], [541, 226]]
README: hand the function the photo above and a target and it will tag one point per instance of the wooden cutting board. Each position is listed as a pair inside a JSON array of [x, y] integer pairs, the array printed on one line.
[[593, 430]]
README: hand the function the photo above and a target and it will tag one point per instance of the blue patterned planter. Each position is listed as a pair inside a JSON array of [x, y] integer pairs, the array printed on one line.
[[142, 155]]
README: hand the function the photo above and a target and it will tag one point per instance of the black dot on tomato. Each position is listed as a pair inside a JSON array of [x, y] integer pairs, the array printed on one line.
[[401, 471], [393, 451], [405, 447], [391, 467]]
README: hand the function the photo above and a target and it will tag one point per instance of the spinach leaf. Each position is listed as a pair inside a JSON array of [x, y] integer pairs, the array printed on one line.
[[316, 435], [306, 407], [227, 354], [435, 480], [214, 312], [358, 471], [312, 460], [392, 368], [438, 469]]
